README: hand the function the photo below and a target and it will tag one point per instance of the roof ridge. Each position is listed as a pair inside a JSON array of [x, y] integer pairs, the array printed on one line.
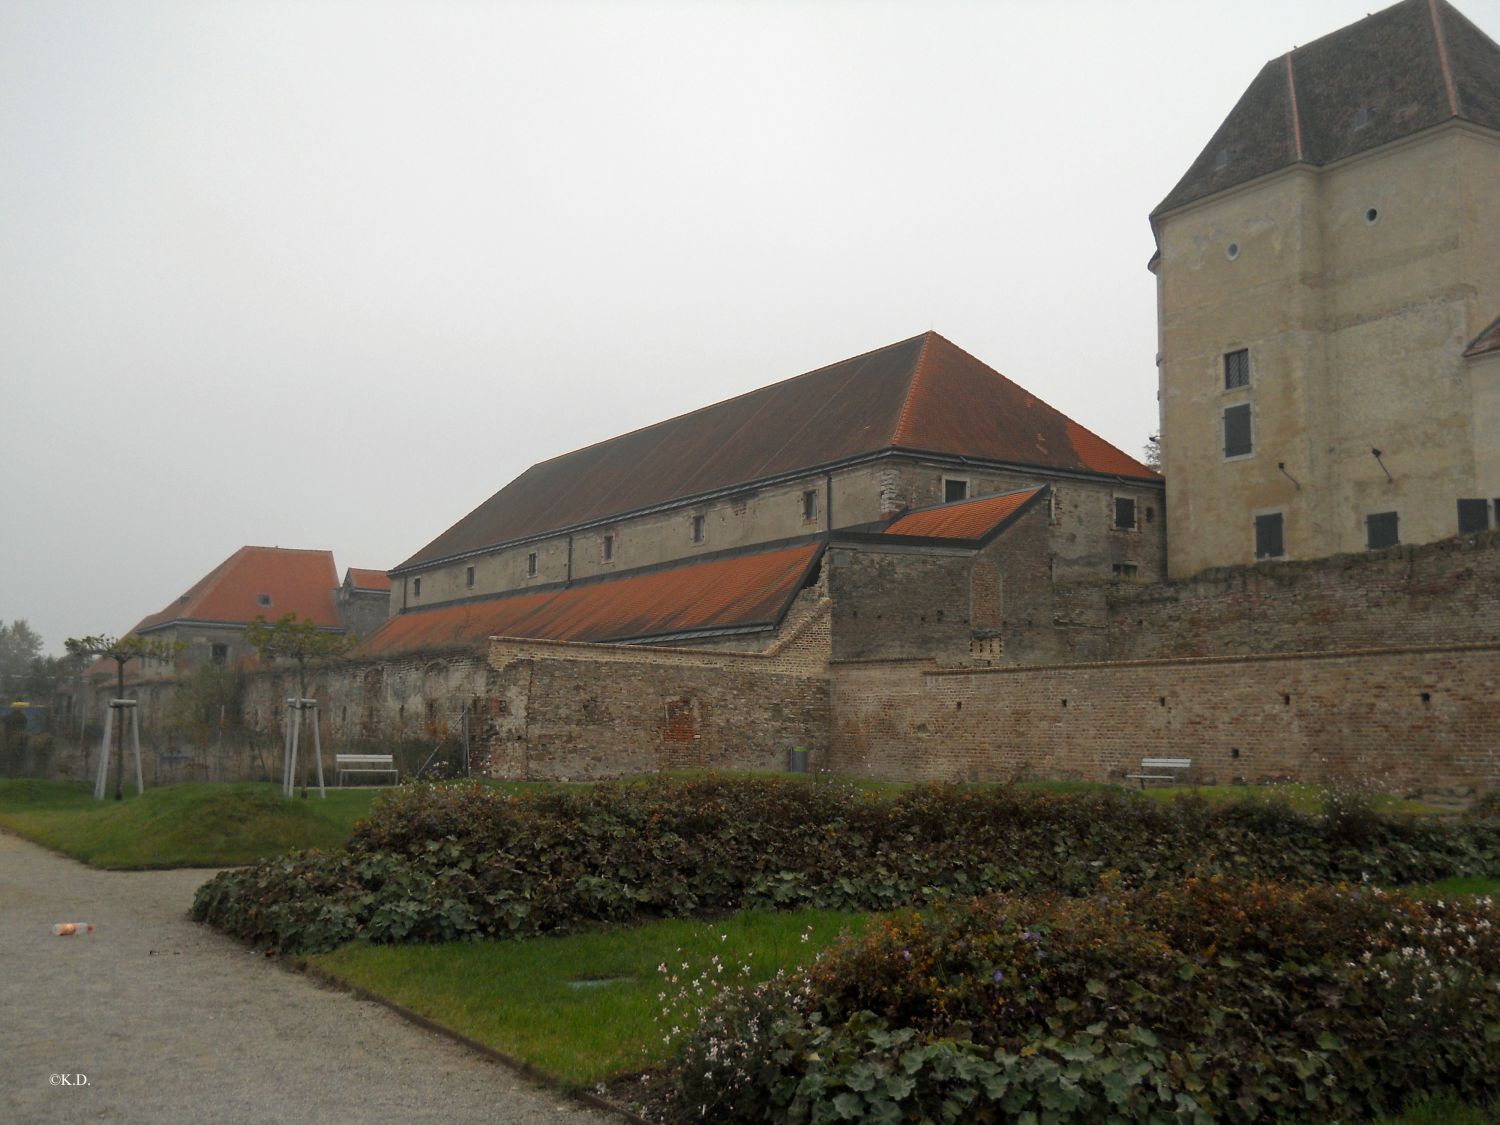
[[1443, 62], [904, 418], [720, 402]]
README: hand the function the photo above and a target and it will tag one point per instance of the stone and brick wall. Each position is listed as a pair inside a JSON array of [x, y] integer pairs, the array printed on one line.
[[1404, 719]]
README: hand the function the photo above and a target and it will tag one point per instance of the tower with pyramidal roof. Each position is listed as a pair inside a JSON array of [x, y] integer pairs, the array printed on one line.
[[1328, 278]]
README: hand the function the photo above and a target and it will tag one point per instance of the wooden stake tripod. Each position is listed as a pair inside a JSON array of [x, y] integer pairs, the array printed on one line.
[[298, 708], [135, 740]]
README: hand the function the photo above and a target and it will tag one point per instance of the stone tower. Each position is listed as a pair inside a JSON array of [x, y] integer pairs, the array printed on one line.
[[1328, 284]]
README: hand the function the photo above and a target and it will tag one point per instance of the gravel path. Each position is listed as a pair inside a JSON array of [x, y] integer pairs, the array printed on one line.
[[171, 1021]]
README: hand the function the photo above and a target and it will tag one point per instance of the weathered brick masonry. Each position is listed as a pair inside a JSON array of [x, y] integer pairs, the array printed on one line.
[[1406, 719]]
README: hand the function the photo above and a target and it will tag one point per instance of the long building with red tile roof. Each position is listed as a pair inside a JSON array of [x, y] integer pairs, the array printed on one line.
[[857, 443]]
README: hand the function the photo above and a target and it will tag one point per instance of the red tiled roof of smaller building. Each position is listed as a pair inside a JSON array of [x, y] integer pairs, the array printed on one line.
[[1486, 342], [362, 579], [292, 581], [739, 591], [967, 519]]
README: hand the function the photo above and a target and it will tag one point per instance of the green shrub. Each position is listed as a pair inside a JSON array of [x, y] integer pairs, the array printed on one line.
[[1212, 1000], [558, 860]]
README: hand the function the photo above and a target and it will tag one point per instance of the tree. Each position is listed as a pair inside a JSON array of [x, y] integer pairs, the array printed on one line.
[[20, 651], [292, 638], [1151, 452], [122, 650]]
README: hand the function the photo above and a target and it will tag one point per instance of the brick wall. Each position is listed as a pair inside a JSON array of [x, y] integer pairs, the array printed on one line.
[[582, 711], [898, 601], [1411, 718]]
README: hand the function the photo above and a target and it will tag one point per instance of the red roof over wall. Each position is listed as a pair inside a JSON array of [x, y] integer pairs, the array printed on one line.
[[724, 593], [362, 579], [300, 582], [967, 519], [923, 394]]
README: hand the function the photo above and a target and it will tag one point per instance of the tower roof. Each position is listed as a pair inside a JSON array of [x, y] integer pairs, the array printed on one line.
[[1395, 73], [924, 394]]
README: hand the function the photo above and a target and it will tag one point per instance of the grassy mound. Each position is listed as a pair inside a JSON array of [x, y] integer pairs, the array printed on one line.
[[191, 825]]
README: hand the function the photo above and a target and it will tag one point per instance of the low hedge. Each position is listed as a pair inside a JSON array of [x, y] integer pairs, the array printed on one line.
[[1213, 1000], [439, 862]]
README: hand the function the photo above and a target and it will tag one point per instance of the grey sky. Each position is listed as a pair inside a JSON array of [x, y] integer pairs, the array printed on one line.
[[329, 274]]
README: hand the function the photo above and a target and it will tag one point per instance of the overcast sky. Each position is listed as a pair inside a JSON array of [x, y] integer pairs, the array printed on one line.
[[329, 274]]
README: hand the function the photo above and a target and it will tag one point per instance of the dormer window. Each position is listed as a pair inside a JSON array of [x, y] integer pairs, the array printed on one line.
[[263, 600], [1365, 117]]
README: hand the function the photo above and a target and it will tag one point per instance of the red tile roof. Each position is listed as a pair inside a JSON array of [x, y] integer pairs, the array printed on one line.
[[723, 593], [967, 519], [922, 394], [367, 579], [300, 582], [1486, 342]]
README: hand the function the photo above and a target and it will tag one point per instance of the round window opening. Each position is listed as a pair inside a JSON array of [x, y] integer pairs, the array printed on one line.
[[1372, 216], [1232, 251]]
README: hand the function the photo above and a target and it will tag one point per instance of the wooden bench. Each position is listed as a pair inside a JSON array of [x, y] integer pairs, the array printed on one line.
[[1161, 769], [365, 763]]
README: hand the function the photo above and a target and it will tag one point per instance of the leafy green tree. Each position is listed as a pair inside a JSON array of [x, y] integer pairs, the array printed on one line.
[[293, 638], [20, 651], [204, 701], [122, 650]]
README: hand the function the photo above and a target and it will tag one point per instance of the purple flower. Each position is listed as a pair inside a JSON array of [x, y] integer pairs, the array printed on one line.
[[1031, 935], [906, 955], [999, 976]]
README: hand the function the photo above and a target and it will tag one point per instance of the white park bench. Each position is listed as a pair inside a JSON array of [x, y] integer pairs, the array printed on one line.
[[1161, 769], [365, 763]]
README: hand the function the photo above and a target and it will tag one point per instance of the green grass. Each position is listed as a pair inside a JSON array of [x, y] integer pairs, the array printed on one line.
[[1446, 1111], [583, 1008], [1457, 885], [191, 825], [1302, 797]]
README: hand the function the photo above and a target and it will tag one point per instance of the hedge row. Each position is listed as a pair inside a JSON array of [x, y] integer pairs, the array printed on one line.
[[1213, 1000], [440, 862]]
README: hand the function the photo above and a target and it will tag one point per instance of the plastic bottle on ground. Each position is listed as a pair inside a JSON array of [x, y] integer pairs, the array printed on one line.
[[67, 929]]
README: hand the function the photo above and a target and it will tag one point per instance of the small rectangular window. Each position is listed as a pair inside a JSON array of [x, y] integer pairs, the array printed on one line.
[[219, 654], [698, 529], [1124, 513], [810, 505], [1268, 537], [469, 577], [1473, 515], [954, 490], [263, 599], [1381, 530], [609, 547], [1237, 431], [416, 587], [1126, 570], [1236, 369], [531, 565]]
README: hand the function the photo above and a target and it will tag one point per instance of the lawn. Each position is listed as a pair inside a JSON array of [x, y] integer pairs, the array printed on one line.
[[189, 825], [588, 1007]]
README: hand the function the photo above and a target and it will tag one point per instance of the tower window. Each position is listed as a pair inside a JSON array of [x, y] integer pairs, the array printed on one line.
[[1237, 431], [1382, 530], [1473, 515], [1269, 543], [1236, 369]]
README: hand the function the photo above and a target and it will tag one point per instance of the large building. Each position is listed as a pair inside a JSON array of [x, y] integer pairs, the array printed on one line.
[[694, 528], [1328, 277]]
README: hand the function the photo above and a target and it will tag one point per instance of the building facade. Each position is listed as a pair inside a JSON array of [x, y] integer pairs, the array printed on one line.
[[1328, 279]]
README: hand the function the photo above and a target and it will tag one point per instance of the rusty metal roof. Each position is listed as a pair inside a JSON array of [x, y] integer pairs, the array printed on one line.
[[734, 592], [966, 519], [923, 394], [300, 582]]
